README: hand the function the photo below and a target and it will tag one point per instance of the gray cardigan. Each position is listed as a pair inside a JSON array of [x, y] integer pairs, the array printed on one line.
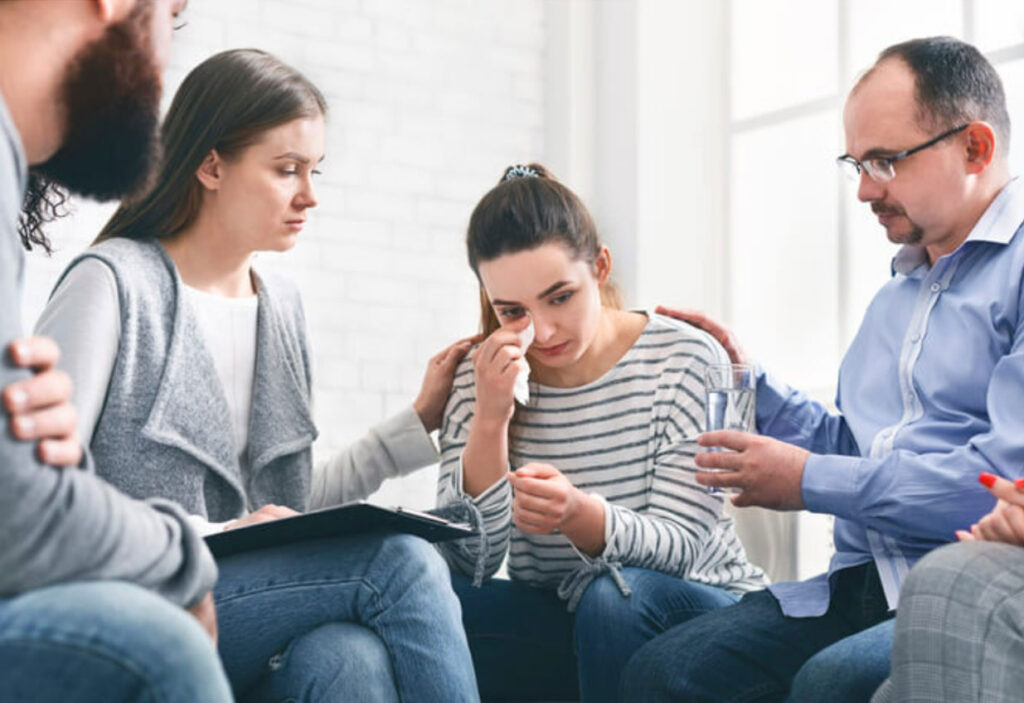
[[165, 428]]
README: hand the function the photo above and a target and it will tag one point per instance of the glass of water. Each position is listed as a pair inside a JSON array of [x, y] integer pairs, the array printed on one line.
[[729, 400]]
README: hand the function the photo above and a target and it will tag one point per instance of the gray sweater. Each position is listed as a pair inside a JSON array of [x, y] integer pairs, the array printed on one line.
[[165, 428], [60, 525]]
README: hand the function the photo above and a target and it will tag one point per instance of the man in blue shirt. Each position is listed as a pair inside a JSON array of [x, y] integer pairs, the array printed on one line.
[[929, 397]]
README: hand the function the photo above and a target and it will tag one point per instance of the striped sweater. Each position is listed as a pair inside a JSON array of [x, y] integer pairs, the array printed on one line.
[[629, 438]]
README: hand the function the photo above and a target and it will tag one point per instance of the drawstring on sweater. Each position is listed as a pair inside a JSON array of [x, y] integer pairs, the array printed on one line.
[[574, 585], [465, 510]]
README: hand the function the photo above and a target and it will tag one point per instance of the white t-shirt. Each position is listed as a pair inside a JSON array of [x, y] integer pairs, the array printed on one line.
[[228, 326]]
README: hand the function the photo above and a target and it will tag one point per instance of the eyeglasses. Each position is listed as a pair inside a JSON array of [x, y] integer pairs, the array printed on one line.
[[881, 168]]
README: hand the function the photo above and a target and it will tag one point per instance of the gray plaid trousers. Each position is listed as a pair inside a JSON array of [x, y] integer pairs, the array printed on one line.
[[960, 628]]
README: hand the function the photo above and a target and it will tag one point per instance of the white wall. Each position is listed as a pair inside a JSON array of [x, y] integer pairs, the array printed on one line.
[[640, 135], [430, 101]]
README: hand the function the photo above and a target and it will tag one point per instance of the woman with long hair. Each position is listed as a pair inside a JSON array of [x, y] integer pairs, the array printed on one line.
[[588, 486], [194, 385]]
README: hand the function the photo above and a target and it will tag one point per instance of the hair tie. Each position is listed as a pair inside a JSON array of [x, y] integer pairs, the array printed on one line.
[[520, 171]]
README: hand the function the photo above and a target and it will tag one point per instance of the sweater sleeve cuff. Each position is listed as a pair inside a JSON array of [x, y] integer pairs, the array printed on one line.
[[609, 527], [407, 441], [197, 574], [830, 484]]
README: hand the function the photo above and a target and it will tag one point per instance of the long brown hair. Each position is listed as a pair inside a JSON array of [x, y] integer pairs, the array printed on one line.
[[530, 207], [225, 103]]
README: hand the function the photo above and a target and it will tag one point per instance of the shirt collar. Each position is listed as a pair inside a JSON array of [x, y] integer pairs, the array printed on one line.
[[1000, 221], [908, 258]]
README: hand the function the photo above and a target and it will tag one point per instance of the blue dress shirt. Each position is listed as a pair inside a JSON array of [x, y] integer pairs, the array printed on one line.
[[931, 393]]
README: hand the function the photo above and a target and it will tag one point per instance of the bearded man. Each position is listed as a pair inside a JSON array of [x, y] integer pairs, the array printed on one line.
[[97, 591]]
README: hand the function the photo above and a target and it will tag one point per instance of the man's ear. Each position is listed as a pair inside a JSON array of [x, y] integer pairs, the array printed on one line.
[[981, 146], [211, 170], [603, 266]]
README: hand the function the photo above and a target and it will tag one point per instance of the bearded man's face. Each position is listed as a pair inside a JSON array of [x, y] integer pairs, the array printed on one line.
[[111, 102]]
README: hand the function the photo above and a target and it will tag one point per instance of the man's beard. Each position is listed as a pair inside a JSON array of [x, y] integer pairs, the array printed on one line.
[[111, 97], [913, 237]]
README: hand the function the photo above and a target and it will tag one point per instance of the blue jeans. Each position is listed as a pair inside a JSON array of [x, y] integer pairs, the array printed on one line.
[[526, 646], [360, 618], [104, 641], [852, 669], [752, 652]]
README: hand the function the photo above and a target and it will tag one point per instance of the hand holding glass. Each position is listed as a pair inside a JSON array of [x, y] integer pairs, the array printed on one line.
[[729, 400]]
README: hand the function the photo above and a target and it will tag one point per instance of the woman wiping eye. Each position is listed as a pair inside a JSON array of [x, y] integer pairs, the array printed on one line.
[[588, 487]]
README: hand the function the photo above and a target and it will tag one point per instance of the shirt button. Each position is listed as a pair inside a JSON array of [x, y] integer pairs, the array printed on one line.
[[916, 338], [936, 288]]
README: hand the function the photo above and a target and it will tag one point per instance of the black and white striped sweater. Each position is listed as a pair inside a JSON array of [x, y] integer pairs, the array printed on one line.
[[628, 437]]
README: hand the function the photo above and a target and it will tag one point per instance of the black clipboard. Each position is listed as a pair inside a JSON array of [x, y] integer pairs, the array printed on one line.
[[349, 519]]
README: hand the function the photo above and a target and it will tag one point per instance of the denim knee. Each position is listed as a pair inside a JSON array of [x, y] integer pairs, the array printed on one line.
[[346, 648], [673, 666], [603, 600], [107, 637], [160, 638], [336, 661], [822, 678], [136, 622], [602, 610], [850, 670], [658, 601], [835, 680], [416, 558], [647, 674]]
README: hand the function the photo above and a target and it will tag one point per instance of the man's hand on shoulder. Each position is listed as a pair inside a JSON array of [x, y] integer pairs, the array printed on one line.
[[769, 473], [719, 331]]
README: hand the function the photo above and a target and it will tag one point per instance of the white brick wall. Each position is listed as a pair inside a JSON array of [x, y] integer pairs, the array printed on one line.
[[430, 99]]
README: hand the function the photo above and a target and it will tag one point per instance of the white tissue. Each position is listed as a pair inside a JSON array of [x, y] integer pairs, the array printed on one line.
[[521, 390]]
